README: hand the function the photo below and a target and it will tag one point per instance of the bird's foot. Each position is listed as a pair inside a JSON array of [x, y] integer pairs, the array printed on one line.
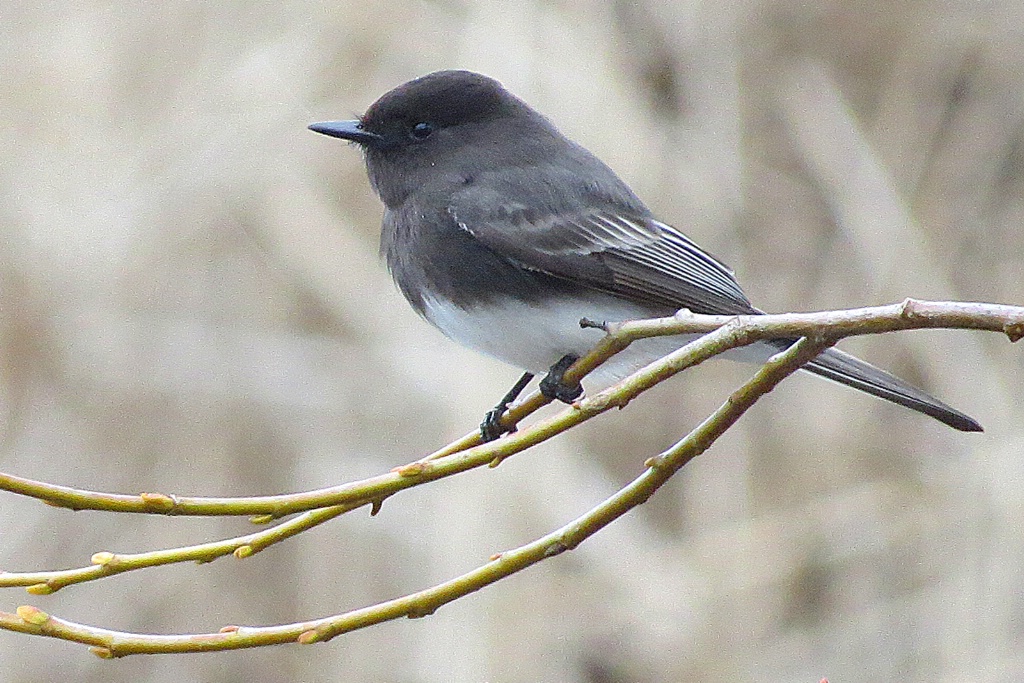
[[491, 428], [554, 387]]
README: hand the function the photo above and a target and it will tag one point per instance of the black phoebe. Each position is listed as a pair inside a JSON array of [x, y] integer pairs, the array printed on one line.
[[504, 234]]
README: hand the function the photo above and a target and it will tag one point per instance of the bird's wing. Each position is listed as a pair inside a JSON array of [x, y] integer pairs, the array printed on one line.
[[618, 251]]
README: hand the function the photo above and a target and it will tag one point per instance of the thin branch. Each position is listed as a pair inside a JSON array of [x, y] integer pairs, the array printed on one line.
[[107, 643], [106, 563]]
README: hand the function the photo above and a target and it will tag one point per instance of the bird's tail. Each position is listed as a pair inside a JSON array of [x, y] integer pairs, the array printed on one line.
[[846, 369]]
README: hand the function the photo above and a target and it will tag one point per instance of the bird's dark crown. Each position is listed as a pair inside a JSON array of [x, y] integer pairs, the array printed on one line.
[[442, 99]]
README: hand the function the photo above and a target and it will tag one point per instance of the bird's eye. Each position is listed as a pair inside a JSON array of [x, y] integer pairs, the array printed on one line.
[[421, 131]]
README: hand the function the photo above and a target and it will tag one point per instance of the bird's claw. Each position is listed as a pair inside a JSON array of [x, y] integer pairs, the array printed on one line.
[[554, 387], [491, 428]]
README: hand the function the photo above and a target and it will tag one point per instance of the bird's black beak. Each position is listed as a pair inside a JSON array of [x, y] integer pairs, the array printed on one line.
[[346, 130]]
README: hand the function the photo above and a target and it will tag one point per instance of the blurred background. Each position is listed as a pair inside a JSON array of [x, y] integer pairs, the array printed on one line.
[[191, 302]]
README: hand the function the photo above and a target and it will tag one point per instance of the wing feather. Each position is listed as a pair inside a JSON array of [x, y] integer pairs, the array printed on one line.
[[633, 256]]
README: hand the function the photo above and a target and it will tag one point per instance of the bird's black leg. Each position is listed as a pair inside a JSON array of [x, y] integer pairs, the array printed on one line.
[[553, 385], [491, 428]]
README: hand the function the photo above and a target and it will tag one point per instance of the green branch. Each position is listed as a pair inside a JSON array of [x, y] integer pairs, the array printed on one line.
[[816, 332], [106, 643]]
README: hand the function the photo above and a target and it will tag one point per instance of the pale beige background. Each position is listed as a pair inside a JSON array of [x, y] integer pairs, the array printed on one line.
[[190, 302]]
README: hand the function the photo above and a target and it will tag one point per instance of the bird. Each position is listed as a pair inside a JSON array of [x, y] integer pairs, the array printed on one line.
[[503, 233]]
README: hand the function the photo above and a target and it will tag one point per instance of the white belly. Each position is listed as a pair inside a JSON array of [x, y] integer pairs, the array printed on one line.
[[535, 336]]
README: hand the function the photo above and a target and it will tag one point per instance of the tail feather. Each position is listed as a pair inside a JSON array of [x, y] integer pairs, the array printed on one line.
[[846, 369]]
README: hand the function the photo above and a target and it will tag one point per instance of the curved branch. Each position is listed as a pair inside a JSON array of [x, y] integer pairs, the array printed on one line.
[[107, 643], [106, 563]]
